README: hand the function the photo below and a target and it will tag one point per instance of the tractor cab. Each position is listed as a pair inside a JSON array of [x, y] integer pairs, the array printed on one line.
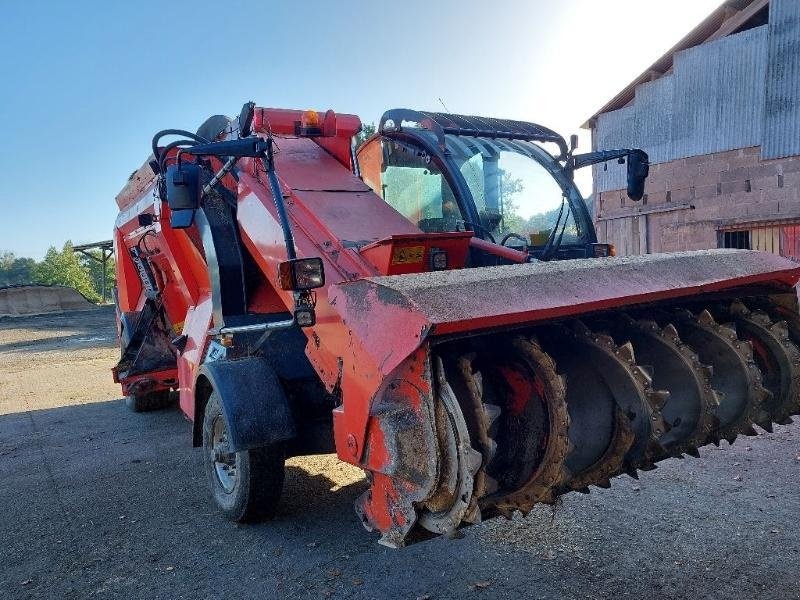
[[493, 177]]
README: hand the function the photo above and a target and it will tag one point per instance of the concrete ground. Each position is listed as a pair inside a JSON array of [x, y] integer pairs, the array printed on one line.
[[97, 502]]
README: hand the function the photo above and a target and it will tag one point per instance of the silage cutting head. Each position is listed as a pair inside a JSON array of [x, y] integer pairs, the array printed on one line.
[[550, 377]]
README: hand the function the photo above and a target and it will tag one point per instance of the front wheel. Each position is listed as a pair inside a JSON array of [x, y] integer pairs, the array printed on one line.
[[245, 485]]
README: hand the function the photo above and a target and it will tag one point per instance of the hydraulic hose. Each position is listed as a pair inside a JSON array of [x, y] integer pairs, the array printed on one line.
[[163, 157], [548, 247], [277, 197], [164, 132]]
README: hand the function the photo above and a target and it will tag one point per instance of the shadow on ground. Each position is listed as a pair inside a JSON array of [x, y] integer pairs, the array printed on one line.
[[89, 328], [99, 502]]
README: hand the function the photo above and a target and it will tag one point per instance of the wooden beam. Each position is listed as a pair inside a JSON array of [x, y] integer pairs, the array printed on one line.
[[736, 19], [743, 224], [730, 12], [636, 211], [653, 74]]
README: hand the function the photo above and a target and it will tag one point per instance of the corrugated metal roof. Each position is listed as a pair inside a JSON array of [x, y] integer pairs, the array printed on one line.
[[726, 19], [720, 95], [713, 101], [782, 103]]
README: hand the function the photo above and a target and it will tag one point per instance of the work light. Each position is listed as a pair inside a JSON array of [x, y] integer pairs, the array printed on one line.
[[301, 274]]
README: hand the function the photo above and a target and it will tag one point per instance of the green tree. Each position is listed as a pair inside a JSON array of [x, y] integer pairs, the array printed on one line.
[[545, 220], [367, 131], [15, 270], [65, 268], [510, 188], [94, 267]]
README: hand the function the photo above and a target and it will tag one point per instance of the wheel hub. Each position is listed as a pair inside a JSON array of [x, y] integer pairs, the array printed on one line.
[[226, 463]]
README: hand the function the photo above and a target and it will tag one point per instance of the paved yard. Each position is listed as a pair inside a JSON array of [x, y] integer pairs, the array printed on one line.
[[98, 502]]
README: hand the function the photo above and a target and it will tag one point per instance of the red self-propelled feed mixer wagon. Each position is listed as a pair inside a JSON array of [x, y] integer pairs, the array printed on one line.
[[435, 308]]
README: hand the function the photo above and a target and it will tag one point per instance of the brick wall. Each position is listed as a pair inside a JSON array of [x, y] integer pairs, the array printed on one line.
[[688, 200]]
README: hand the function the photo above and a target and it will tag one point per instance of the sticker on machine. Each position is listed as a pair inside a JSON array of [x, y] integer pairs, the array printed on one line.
[[408, 255]]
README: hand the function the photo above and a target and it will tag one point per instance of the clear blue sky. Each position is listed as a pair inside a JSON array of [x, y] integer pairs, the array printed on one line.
[[86, 84]]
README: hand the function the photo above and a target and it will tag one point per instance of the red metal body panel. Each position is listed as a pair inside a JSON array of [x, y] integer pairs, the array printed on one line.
[[138, 182], [129, 287], [322, 219], [411, 253], [154, 380], [196, 326]]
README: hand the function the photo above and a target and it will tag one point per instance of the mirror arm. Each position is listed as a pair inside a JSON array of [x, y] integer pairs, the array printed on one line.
[[638, 166], [578, 161]]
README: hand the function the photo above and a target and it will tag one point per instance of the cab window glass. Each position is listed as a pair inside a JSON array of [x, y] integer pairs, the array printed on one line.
[[410, 181], [515, 195]]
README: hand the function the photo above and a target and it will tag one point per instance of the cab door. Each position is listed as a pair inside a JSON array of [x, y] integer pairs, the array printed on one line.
[[412, 182]]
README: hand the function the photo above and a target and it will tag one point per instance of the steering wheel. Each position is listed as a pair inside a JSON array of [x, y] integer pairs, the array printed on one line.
[[515, 236]]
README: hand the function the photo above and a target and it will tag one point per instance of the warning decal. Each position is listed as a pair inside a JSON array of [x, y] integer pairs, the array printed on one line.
[[408, 255]]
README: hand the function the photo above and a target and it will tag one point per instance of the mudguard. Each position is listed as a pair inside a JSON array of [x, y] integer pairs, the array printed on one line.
[[253, 400]]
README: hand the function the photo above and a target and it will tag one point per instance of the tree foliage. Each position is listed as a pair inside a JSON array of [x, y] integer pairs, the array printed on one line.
[[15, 270], [367, 131], [59, 267], [510, 188], [94, 266], [65, 268], [513, 221]]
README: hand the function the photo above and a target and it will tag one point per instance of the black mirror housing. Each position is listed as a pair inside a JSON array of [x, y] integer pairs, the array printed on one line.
[[573, 142], [183, 193], [638, 170], [246, 119]]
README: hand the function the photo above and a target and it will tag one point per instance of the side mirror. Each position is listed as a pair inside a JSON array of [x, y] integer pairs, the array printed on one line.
[[638, 170], [246, 119], [183, 193]]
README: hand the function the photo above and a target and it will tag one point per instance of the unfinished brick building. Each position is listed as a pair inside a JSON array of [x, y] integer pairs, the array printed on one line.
[[719, 115]]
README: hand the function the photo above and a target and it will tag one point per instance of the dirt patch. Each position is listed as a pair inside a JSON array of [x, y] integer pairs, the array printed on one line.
[[57, 360], [19, 300]]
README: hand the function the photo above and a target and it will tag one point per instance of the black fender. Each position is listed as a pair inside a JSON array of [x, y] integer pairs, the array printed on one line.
[[255, 406]]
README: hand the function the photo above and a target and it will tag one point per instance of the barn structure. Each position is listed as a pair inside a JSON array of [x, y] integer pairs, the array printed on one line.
[[719, 115]]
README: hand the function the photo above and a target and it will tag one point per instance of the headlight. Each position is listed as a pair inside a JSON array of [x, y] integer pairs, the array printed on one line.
[[438, 259], [603, 250], [301, 274]]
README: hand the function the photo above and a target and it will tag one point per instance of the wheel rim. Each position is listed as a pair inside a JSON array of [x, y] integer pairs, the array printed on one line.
[[226, 463]]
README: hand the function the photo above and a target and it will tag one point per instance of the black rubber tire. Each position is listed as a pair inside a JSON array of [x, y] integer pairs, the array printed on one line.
[[148, 402], [260, 474]]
